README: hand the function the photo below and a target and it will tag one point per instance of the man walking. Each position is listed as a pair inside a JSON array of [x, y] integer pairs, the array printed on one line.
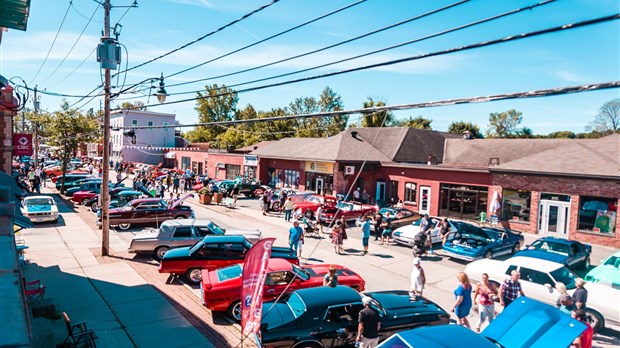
[[378, 228], [425, 227], [510, 289], [580, 296], [288, 209], [295, 234], [365, 233], [418, 279], [368, 325]]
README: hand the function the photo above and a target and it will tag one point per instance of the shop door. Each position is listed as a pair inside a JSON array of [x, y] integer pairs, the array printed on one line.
[[553, 218], [380, 193], [425, 200], [319, 186]]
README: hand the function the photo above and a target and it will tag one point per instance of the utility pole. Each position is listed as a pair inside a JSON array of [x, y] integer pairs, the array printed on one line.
[[105, 166], [36, 128]]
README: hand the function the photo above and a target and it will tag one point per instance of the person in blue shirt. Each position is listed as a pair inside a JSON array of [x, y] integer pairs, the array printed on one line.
[[366, 233], [295, 235]]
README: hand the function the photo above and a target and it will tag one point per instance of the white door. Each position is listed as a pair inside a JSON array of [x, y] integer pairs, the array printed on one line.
[[319, 186], [554, 217], [380, 192], [425, 200]]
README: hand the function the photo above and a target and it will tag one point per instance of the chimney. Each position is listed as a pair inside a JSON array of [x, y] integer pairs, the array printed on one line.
[[354, 134]]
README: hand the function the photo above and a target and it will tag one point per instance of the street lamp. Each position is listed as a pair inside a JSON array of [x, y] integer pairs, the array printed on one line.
[[161, 92]]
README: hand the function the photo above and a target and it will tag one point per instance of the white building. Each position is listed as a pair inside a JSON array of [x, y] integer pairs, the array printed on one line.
[[149, 141]]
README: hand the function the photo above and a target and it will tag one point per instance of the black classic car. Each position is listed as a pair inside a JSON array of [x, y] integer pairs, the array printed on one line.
[[147, 211], [328, 317]]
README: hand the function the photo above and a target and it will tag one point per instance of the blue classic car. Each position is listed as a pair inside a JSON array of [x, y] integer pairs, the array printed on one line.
[[570, 253], [472, 242], [608, 272]]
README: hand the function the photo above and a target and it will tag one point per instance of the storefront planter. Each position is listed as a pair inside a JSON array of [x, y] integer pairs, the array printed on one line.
[[204, 199], [217, 197]]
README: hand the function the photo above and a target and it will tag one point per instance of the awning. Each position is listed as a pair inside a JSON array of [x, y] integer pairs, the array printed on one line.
[[170, 155]]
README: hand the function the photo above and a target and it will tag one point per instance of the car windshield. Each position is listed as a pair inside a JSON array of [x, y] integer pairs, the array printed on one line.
[[344, 206], [557, 248], [613, 261], [39, 201], [300, 272], [565, 276], [215, 228], [229, 272], [296, 304]]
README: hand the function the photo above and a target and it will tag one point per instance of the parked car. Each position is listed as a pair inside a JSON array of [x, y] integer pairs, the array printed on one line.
[[182, 232], [607, 273], [349, 210], [399, 217], [119, 196], [87, 185], [113, 192], [328, 317], [40, 209], [311, 203], [472, 242], [73, 180], [405, 235], [147, 211], [221, 288], [570, 253], [211, 253], [538, 280], [294, 195], [245, 185], [53, 173]]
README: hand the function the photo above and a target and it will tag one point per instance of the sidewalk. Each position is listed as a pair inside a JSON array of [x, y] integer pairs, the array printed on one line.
[[111, 297]]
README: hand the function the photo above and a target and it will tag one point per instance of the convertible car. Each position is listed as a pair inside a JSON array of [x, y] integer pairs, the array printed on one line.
[[406, 235], [328, 317], [570, 253], [40, 209], [349, 210], [311, 203], [148, 211], [472, 242], [399, 217], [221, 288], [211, 253]]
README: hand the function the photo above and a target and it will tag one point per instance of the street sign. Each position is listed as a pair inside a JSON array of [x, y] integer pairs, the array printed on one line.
[[22, 144]]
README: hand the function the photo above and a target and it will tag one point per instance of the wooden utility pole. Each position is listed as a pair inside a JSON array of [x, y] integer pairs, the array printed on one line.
[[105, 166]]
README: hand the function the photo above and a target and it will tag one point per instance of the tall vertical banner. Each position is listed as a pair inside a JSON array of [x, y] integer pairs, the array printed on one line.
[[22, 144], [253, 280]]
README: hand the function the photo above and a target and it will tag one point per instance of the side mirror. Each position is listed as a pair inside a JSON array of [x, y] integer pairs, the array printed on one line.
[[549, 287]]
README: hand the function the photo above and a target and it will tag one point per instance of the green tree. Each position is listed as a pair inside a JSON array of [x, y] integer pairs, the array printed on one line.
[[562, 135], [24, 123], [417, 122], [329, 100], [504, 124], [306, 127], [525, 132], [608, 118], [135, 105], [216, 104], [376, 119], [316, 127], [459, 127], [242, 134]]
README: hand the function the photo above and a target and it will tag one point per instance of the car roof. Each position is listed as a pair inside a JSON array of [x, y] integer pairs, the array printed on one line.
[[37, 197], [145, 200], [223, 239], [555, 240], [326, 296], [186, 222], [535, 263]]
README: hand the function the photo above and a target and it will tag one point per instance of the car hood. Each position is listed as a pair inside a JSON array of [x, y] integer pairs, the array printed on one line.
[[398, 303], [529, 323], [83, 192], [305, 205], [251, 235], [604, 274], [437, 336], [176, 253], [283, 253], [180, 201], [149, 234], [538, 254]]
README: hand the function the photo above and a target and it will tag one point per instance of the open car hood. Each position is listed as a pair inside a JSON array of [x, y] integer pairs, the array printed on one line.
[[180, 201]]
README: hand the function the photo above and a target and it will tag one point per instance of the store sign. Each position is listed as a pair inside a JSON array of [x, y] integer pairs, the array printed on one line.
[[22, 144], [320, 167], [250, 161]]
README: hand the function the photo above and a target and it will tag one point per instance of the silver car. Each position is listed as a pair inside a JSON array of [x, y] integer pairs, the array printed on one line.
[[182, 232]]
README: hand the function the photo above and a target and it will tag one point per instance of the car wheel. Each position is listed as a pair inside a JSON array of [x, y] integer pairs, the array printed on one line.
[[84, 201], [595, 319], [488, 254], [309, 214], [275, 206], [94, 207], [194, 275], [516, 248], [179, 217], [585, 265], [124, 227], [51, 176], [234, 311], [160, 252], [308, 345]]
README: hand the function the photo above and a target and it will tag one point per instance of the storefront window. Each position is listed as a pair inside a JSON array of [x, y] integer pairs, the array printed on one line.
[[597, 214], [463, 202], [291, 178], [516, 205], [232, 171], [185, 162], [249, 172], [275, 177], [410, 192], [320, 183]]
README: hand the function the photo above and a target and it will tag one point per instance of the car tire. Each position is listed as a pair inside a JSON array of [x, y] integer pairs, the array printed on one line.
[[51, 176], [234, 311], [94, 207], [179, 217], [193, 275], [488, 254], [84, 201], [309, 214], [516, 248], [160, 252], [585, 265], [308, 345], [124, 227], [595, 319], [275, 206]]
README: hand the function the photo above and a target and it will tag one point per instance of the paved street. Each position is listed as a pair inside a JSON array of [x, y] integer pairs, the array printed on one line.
[[385, 267]]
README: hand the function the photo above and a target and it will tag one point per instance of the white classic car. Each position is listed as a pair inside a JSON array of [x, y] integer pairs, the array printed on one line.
[[406, 235], [538, 280], [40, 208]]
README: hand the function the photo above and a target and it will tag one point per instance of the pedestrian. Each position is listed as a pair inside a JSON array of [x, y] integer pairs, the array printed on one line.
[[561, 288], [319, 214], [356, 194], [365, 233], [484, 296], [418, 280], [288, 209], [331, 278], [386, 229], [235, 193], [175, 184], [378, 221], [44, 178], [580, 296], [265, 201], [510, 289], [295, 233], [444, 231], [426, 226], [282, 199], [585, 339], [119, 177], [90, 169], [462, 306], [338, 236], [567, 304], [369, 324], [37, 184], [365, 197], [182, 183]]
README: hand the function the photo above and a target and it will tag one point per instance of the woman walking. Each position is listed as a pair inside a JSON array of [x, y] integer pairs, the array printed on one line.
[[484, 296], [462, 306], [338, 234]]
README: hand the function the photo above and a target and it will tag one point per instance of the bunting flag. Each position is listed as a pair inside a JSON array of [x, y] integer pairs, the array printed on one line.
[[253, 280]]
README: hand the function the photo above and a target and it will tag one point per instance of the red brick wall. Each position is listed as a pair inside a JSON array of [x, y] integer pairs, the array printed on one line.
[[196, 156], [265, 163], [226, 158]]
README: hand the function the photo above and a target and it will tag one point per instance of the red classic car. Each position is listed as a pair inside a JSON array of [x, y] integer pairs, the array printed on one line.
[[81, 197], [211, 253], [221, 288], [54, 172], [350, 211], [311, 203], [148, 211]]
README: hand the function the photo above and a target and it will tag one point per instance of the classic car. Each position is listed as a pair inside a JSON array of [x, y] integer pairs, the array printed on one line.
[[506, 330], [182, 232], [328, 317], [399, 217], [311, 203], [570, 253], [245, 185], [538, 280], [73, 180], [147, 211], [472, 242], [211, 253], [53, 173], [406, 235], [93, 202], [349, 210], [221, 288], [87, 189], [294, 195], [40, 208], [607, 273]]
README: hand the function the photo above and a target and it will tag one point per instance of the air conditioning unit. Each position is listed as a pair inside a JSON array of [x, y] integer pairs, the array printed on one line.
[[349, 170]]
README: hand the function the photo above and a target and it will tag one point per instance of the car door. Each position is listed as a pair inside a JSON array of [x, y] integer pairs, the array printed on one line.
[[161, 212], [275, 283], [231, 253], [340, 324], [575, 256], [182, 236], [502, 244], [538, 285]]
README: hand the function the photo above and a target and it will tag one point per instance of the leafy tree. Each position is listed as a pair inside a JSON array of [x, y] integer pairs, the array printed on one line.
[[562, 135], [217, 104], [306, 127], [319, 126], [241, 134], [329, 100], [375, 119], [135, 105], [504, 124], [459, 127], [608, 117], [525, 132], [418, 122], [275, 130], [27, 127]]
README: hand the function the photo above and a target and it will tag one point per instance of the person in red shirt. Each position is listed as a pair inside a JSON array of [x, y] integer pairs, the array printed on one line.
[[585, 340]]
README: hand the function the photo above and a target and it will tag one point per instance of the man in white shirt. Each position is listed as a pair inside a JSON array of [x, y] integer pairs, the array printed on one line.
[[418, 279]]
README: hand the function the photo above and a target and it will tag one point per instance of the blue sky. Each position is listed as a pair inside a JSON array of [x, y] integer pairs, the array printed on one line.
[[574, 57]]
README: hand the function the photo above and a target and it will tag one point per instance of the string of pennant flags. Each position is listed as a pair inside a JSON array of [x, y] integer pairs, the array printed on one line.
[[162, 148]]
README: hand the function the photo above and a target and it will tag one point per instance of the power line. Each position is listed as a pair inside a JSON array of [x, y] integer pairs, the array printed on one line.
[[74, 70], [470, 100], [54, 41]]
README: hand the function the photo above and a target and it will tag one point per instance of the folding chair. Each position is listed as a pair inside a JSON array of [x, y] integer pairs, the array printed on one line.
[[34, 291], [78, 334]]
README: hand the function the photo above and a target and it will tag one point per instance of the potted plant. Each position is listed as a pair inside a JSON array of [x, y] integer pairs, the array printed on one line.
[[204, 196]]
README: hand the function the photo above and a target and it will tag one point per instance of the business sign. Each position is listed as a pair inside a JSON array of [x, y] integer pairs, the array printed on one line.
[[22, 144], [253, 281], [320, 167], [250, 161]]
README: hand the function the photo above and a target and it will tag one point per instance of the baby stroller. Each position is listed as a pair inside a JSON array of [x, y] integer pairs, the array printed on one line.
[[310, 228]]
